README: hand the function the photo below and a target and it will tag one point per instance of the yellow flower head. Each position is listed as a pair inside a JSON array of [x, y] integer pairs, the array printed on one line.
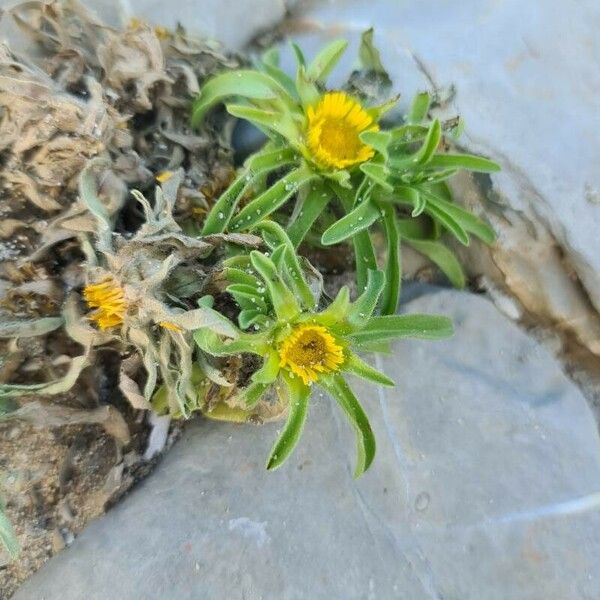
[[334, 125], [310, 350], [108, 298]]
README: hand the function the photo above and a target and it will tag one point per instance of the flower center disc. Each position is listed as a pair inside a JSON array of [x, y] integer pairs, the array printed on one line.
[[310, 350]]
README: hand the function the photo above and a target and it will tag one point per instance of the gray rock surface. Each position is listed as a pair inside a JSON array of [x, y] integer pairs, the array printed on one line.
[[486, 486], [527, 79]]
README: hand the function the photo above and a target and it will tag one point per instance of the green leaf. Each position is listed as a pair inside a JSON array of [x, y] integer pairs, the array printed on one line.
[[211, 343], [297, 281], [388, 327], [245, 83], [307, 90], [312, 206], [448, 221], [278, 122], [377, 111], [234, 275], [419, 108], [364, 255], [269, 370], [254, 393], [378, 173], [443, 258], [337, 310], [359, 367], [284, 302], [257, 166], [249, 316], [466, 220], [393, 262], [272, 199], [432, 141], [326, 60], [299, 395], [358, 219], [369, 56], [360, 312], [365, 440], [380, 140], [463, 161], [240, 290], [298, 54]]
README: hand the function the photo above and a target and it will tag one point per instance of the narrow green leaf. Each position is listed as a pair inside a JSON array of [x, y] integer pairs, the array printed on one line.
[[388, 327], [365, 439], [364, 255], [307, 90], [326, 60], [377, 111], [245, 83], [443, 258], [393, 262], [362, 309], [298, 54], [240, 290], [358, 219], [463, 161], [448, 221], [313, 205], [299, 395], [380, 140], [297, 280], [254, 392], [378, 173], [337, 310], [211, 343], [419, 108], [278, 122], [466, 220], [248, 317], [269, 201], [269, 370], [359, 367], [234, 275], [284, 302], [427, 150]]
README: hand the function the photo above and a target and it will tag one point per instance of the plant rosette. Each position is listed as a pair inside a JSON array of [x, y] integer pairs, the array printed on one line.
[[333, 148], [303, 347]]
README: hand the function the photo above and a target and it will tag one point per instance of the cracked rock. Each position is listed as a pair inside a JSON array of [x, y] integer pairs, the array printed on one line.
[[486, 486]]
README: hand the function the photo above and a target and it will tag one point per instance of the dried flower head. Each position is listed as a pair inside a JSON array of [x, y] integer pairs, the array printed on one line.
[[108, 298]]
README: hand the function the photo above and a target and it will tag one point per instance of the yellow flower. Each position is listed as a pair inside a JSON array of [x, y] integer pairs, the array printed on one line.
[[170, 326], [334, 125], [310, 350], [109, 300]]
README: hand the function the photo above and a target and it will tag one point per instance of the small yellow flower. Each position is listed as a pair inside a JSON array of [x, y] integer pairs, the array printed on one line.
[[334, 125], [108, 298], [170, 326], [164, 176], [310, 350]]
